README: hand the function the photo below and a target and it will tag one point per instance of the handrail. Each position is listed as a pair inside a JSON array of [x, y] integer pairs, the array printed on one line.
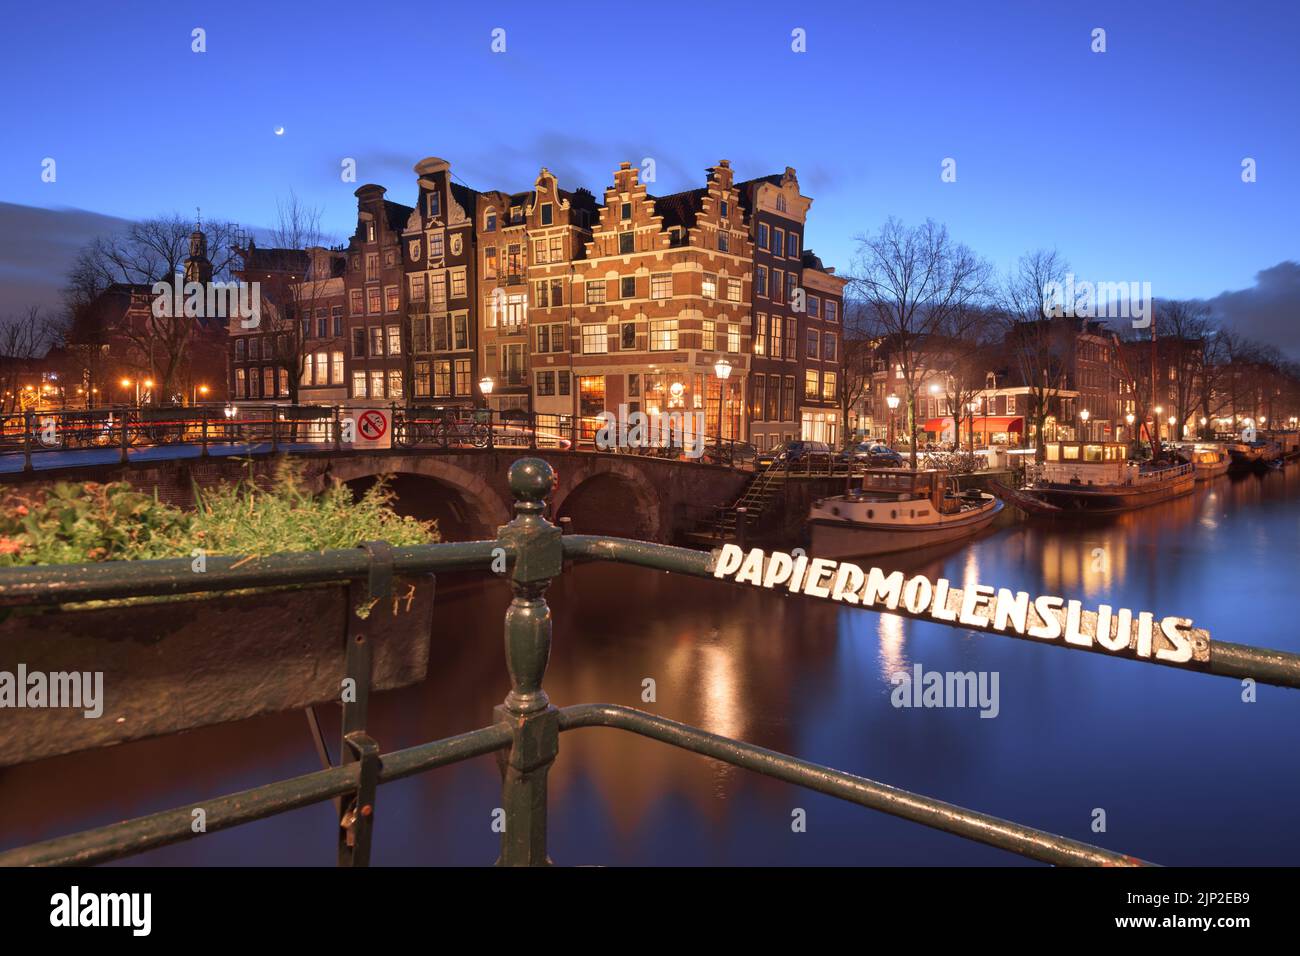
[[526, 726], [242, 426]]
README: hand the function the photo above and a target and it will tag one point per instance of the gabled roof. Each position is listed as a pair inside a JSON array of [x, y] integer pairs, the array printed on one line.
[[746, 189], [293, 261], [679, 209]]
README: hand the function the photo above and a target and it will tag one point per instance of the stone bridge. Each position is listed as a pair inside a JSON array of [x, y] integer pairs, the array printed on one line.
[[465, 490]]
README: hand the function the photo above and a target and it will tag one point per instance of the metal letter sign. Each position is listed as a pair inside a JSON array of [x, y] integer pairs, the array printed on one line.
[[373, 429], [1118, 631]]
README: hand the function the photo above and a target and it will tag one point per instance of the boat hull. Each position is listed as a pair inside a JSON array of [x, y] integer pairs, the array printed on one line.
[[1101, 499], [842, 538], [1204, 472]]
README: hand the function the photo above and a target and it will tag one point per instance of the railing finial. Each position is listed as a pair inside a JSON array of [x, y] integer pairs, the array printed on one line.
[[532, 481]]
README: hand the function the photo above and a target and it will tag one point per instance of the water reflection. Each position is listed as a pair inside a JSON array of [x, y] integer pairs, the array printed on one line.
[[1159, 749]]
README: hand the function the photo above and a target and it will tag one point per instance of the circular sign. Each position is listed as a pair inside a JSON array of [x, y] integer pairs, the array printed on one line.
[[372, 425]]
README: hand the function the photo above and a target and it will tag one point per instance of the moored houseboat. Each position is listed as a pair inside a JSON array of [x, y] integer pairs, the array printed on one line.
[[897, 510], [1098, 478], [1208, 459]]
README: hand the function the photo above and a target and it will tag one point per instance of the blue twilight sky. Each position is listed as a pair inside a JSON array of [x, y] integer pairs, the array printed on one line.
[[1128, 161]]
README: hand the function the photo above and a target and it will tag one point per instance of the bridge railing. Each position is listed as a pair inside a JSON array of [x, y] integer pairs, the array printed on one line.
[[526, 727], [260, 427]]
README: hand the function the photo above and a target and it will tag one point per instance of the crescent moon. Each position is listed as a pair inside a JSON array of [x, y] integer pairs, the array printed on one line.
[[279, 131]]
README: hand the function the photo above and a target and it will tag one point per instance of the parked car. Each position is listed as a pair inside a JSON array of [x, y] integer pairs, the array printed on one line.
[[795, 452], [729, 453], [872, 455]]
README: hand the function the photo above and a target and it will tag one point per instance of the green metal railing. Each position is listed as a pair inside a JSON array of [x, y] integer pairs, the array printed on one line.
[[526, 729]]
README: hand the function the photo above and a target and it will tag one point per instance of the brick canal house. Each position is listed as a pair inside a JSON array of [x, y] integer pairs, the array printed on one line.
[[528, 245], [789, 394], [442, 289], [821, 342], [664, 295], [375, 280]]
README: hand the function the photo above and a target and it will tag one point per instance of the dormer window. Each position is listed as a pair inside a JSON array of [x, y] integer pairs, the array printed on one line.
[[780, 203], [548, 214], [490, 221], [435, 204], [370, 232], [516, 213], [725, 209], [625, 211]]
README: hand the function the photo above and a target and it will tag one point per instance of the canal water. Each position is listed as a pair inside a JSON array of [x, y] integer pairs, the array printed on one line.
[[1177, 765]]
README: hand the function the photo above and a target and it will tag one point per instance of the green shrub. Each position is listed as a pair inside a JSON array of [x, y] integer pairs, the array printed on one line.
[[74, 523]]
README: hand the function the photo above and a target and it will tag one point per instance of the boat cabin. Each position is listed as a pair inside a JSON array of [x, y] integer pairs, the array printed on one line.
[[1085, 462], [900, 484]]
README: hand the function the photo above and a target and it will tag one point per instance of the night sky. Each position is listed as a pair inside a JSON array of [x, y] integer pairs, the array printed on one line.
[[1128, 161]]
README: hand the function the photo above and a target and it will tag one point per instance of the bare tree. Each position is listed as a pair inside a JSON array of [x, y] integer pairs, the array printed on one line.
[[913, 280], [150, 251], [1036, 343], [964, 352], [1185, 329], [289, 299], [859, 352], [24, 338]]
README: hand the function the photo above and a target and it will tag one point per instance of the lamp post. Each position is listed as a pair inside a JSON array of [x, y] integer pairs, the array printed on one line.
[[892, 402], [485, 386], [1084, 415], [722, 369]]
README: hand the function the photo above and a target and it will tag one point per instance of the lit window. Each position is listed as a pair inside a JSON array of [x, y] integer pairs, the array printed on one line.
[[663, 335]]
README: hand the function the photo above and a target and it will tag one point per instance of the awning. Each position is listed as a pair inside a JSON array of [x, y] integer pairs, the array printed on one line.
[[1011, 423]]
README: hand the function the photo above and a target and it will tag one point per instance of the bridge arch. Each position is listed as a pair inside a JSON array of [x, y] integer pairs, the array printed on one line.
[[466, 506], [613, 497]]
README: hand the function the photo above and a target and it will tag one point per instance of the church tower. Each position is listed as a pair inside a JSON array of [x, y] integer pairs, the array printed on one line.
[[197, 266]]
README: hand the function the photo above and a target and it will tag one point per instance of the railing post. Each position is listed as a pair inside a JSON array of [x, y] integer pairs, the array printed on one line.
[[126, 420], [203, 415], [538, 557], [27, 440], [338, 434], [275, 428]]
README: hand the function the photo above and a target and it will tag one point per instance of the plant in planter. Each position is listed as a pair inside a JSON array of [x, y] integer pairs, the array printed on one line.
[[171, 664]]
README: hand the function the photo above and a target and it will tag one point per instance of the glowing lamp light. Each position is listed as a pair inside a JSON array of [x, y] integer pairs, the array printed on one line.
[[1129, 418], [892, 402], [486, 384], [722, 369], [1085, 415]]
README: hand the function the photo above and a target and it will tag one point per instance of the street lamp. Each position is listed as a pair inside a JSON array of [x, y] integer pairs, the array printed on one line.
[[486, 385], [722, 369], [892, 402], [1084, 415]]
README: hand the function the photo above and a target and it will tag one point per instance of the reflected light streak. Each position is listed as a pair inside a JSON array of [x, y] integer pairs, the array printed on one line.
[[893, 635]]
